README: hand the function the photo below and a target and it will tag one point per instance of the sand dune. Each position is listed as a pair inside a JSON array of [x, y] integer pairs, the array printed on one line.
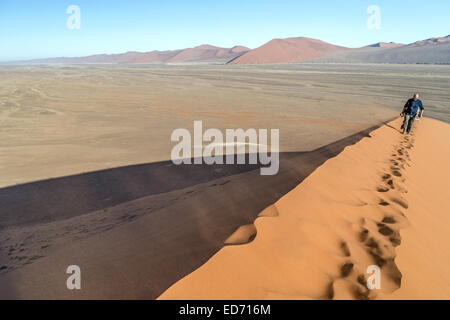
[[203, 53], [288, 50], [431, 41], [207, 53], [430, 51], [386, 207], [154, 56]]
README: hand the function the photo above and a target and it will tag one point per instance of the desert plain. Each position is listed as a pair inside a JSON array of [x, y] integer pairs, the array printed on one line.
[[62, 120]]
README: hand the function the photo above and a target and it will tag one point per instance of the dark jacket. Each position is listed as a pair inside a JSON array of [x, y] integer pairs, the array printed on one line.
[[412, 107]]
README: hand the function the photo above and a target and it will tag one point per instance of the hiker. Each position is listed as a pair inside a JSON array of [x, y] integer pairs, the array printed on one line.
[[412, 109]]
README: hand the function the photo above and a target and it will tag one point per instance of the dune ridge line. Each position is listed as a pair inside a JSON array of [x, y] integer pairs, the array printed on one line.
[[322, 236]]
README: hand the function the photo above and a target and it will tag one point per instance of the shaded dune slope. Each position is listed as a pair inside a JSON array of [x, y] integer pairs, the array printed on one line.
[[159, 224]]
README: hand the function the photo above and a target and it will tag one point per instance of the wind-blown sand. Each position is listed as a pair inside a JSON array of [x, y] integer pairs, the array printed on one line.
[[383, 201]]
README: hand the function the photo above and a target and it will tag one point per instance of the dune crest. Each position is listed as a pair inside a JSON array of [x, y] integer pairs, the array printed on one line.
[[288, 50], [383, 209]]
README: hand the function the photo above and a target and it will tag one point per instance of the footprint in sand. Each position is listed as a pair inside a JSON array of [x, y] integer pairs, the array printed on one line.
[[345, 249], [382, 189], [401, 202], [346, 269], [376, 252], [390, 183], [362, 280], [395, 240], [389, 220], [397, 173], [344, 289], [380, 246], [385, 230], [363, 235]]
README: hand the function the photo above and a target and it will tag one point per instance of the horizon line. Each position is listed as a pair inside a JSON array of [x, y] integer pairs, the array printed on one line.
[[207, 44]]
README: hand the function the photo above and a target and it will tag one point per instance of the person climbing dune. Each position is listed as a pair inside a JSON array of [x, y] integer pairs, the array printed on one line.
[[412, 109]]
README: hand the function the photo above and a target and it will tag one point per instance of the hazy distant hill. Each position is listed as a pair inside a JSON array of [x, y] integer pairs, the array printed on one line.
[[432, 51], [203, 53], [98, 58], [287, 51], [154, 57]]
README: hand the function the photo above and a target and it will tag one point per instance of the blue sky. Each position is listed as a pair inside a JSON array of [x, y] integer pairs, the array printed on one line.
[[36, 29]]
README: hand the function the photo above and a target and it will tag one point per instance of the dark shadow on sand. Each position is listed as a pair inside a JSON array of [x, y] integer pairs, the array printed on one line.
[[195, 241], [386, 123]]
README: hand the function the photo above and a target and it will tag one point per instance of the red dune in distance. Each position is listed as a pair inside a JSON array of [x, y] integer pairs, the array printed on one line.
[[201, 53], [288, 50], [429, 51], [239, 49], [111, 58], [207, 52]]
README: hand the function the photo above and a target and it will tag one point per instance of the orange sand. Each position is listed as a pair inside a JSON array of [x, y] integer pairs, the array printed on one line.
[[383, 201]]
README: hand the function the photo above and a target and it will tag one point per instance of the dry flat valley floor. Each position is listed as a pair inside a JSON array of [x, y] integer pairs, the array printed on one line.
[[61, 120]]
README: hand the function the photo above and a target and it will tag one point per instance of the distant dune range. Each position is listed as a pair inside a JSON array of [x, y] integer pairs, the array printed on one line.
[[203, 53], [431, 51], [292, 50], [289, 50]]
